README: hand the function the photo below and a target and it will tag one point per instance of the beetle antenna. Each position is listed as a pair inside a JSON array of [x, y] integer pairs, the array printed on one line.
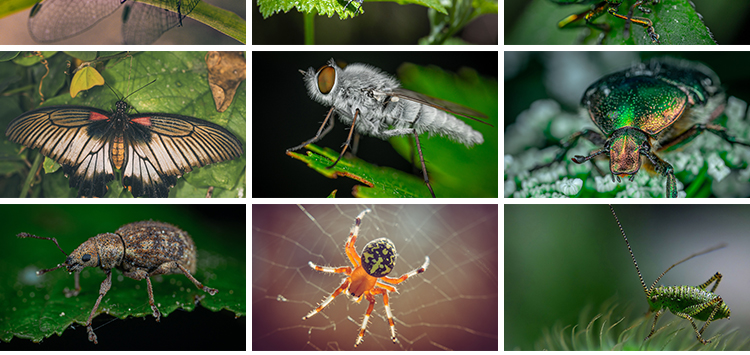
[[27, 235], [44, 271], [631, 252]]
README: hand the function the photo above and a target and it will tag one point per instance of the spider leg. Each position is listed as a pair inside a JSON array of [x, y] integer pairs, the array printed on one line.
[[334, 270], [328, 300], [409, 274], [361, 335], [351, 252], [388, 313]]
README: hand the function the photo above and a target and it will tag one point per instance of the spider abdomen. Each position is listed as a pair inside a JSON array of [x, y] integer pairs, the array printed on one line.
[[379, 257]]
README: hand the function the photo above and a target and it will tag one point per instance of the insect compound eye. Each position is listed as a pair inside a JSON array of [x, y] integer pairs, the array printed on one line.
[[379, 257], [86, 257], [326, 79]]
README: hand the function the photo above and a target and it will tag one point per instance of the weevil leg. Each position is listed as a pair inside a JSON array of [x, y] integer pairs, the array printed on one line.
[[74, 292], [653, 326], [172, 265], [321, 133], [157, 314], [106, 285], [716, 277]]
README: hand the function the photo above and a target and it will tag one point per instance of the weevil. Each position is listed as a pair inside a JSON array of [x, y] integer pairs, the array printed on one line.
[[140, 250], [598, 8], [689, 302], [653, 107]]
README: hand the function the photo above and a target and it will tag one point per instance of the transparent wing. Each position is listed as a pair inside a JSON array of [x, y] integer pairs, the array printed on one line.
[[444, 105], [55, 20], [144, 24]]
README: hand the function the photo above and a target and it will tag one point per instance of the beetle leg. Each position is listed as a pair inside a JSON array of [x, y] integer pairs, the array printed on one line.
[[568, 143], [665, 169], [211, 291], [74, 292], [157, 314], [106, 284]]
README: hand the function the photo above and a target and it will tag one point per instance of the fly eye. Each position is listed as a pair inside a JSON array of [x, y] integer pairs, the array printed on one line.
[[326, 79], [86, 257]]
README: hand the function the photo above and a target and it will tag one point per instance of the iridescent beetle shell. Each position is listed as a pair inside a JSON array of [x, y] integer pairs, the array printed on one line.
[[379, 257], [637, 106]]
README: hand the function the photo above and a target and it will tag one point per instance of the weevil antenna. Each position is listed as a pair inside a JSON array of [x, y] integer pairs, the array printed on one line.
[[632, 255], [44, 271], [27, 235], [722, 245]]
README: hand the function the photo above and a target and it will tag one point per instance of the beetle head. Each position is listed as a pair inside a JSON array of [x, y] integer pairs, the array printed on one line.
[[104, 250], [625, 152]]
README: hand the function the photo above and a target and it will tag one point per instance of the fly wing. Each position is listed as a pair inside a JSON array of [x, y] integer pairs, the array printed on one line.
[[439, 104]]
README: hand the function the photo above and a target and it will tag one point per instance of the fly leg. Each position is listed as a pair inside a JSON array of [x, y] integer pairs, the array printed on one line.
[[348, 139], [421, 160], [321, 133]]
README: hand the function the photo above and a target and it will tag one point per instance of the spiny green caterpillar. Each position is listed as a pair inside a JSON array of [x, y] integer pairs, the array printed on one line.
[[689, 302]]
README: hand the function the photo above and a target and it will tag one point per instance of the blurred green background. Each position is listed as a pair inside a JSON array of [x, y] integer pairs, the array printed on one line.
[[217, 230], [562, 258], [728, 20]]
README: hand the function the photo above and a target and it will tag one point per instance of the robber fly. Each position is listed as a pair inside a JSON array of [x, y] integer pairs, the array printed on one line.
[[372, 102]]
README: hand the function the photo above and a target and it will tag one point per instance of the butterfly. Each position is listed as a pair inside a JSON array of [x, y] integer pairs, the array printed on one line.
[[151, 149]]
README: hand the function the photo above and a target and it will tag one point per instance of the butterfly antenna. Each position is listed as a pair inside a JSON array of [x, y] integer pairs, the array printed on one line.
[[139, 89]]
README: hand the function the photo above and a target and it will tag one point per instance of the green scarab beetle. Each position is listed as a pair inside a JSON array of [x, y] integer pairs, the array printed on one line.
[[655, 106], [379, 257], [598, 8]]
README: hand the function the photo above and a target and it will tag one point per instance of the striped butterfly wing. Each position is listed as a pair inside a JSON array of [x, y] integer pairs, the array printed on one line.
[[151, 149], [176, 145], [63, 134]]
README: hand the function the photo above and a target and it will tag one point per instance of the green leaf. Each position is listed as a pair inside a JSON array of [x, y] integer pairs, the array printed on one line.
[[36, 307], [462, 171], [331, 7], [379, 181], [9, 7], [181, 87], [675, 21]]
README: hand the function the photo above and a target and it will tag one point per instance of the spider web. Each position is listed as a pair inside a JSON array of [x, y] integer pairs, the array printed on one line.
[[452, 305]]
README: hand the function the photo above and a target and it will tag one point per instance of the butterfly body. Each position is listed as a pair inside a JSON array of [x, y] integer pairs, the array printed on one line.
[[151, 149]]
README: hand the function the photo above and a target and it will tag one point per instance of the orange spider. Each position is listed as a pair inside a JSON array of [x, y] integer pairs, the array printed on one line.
[[364, 279]]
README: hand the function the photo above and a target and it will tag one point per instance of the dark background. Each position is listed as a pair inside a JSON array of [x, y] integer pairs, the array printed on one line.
[[284, 116]]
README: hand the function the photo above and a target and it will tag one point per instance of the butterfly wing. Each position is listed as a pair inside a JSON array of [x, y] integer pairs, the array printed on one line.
[[174, 145], [55, 20], [63, 133]]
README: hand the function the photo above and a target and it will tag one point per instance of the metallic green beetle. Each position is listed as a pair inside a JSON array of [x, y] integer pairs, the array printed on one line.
[[655, 106], [598, 8]]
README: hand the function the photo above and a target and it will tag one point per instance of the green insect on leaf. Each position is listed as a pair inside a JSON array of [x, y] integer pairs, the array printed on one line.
[[688, 302]]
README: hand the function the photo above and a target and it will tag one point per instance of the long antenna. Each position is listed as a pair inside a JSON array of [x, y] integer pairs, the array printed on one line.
[[722, 245], [633, 256]]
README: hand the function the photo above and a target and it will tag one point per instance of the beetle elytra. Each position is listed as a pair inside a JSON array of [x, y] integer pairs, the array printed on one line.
[[140, 250], [688, 302]]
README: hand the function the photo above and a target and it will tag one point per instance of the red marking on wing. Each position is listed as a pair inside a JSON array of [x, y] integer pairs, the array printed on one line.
[[96, 116], [145, 121]]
